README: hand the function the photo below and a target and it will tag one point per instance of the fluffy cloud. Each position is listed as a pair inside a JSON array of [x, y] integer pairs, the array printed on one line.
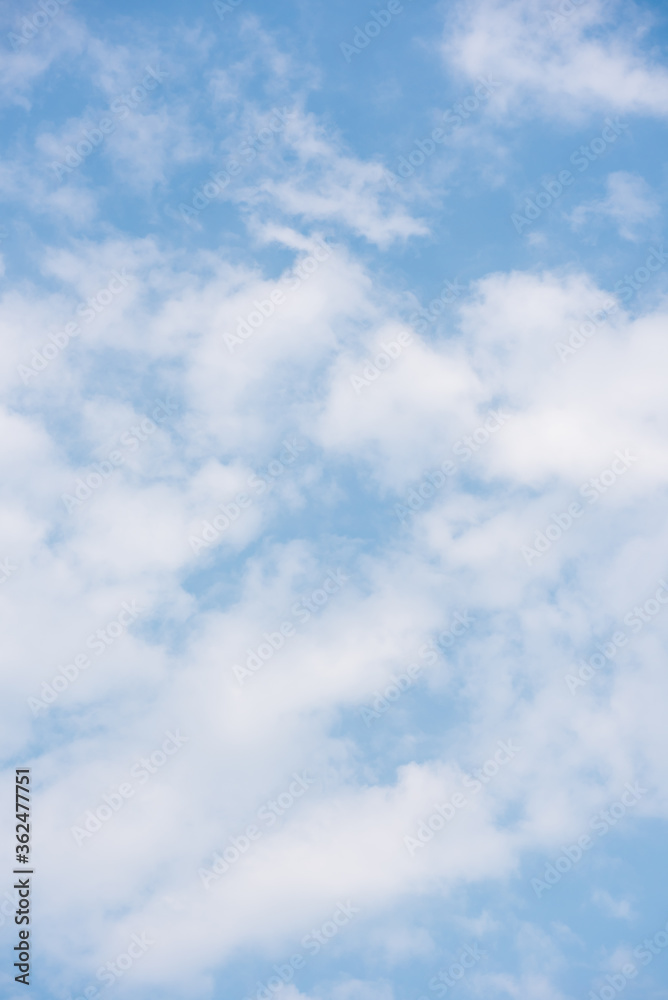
[[309, 607], [569, 62], [629, 204]]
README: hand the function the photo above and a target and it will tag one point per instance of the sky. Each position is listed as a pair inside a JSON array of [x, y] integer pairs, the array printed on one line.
[[333, 539]]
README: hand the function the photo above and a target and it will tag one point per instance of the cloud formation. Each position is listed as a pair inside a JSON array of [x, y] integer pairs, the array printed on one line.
[[332, 620]]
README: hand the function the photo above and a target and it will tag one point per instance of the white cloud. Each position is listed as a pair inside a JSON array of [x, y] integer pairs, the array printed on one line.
[[130, 540], [255, 357], [329, 184], [35, 48], [620, 909], [630, 204], [581, 64]]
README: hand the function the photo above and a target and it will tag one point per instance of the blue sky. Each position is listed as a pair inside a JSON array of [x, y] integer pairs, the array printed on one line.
[[333, 544]]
